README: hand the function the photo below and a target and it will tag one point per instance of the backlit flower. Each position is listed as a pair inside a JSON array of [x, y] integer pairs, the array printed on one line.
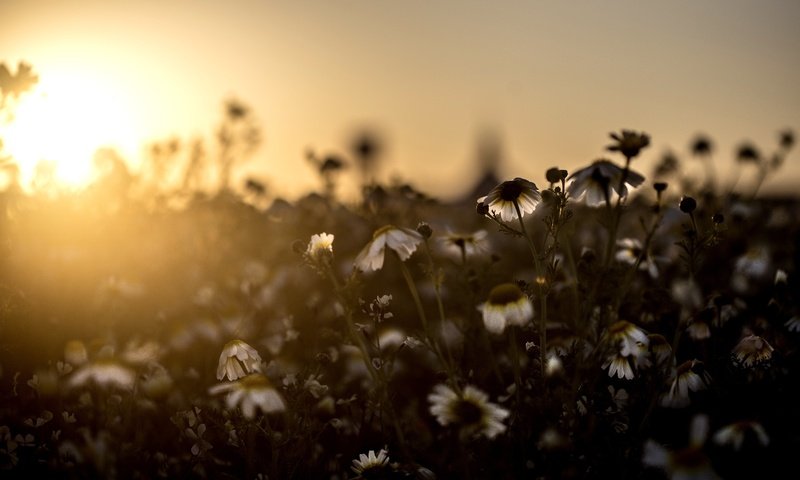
[[597, 182], [471, 411], [463, 245], [75, 352], [501, 199], [687, 463], [237, 360], [627, 337], [507, 304], [104, 372], [735, 434], [690, 376], [251, 392], [752, 350], [403, 241], [320, 244], [371, 465], [630, 249]]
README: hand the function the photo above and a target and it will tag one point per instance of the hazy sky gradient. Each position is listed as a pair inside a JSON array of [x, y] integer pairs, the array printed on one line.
[[553, 78]]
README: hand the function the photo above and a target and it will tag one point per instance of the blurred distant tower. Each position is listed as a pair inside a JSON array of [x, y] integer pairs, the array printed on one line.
[[488, 157]]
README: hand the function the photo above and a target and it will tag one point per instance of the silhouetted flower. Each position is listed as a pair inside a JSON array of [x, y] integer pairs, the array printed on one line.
[[629, 143], [747, 153], [507, 304], [702, 145], [471, 411], [786, 139], [403, 241], [599, 179], [251, 392], [501, 199]]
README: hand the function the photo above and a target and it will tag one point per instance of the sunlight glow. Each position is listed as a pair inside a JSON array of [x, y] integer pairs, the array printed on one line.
[[57, 128]]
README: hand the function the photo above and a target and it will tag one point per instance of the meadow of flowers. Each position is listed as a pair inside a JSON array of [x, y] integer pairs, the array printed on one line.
[[599, 323]]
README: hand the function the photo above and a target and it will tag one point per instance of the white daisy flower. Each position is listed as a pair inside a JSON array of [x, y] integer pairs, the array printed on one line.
[[599, 181], [501, 199], [105, 372], [320, 244], [370, 465], [507, 304], [251, 392], [471, 411], [403, 241], [734, 434]]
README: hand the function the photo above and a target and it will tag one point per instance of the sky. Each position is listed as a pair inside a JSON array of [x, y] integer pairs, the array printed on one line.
[[551, 79]]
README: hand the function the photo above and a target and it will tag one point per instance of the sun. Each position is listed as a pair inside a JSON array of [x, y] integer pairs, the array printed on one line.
[[57, 127]]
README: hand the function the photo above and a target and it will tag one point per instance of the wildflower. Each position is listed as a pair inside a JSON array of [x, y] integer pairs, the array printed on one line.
[[747, 153], [75, 352], [630, 249], [463, 245], [619, 365], [506, 305], [793, 324], [403, 241], [690, 376], [735, 433], [628, 143], [702, 146], [660, 348], [249, 392], [687, 294], [470, 410], [320, 244], [687, 463], [594, 182], [627, 336], [754, 263], [371, 465], [752, 350], [237, 360], [504, 199], [104, 372]]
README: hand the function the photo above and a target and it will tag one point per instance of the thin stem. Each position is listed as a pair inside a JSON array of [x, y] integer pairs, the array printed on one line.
[[540, 280], [431, 340]]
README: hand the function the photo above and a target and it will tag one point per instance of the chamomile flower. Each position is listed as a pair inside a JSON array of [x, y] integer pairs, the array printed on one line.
[[463, 245], [501, 199], [371, 465], [507, 304], [470, 411], [403, 241], [734, 434], [593, 182], [320, 244], [628, 143], [630, 249], [690, 376], [105, 372], [751, 351], [687, 463], [251, 392], [627, 337], [237, 360]]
